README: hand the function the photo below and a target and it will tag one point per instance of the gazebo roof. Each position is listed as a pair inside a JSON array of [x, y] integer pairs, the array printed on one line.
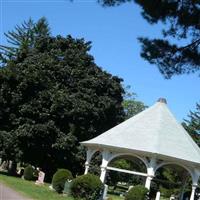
[[153, 131]]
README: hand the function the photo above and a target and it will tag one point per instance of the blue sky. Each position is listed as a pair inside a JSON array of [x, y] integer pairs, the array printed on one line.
[[113, 32]]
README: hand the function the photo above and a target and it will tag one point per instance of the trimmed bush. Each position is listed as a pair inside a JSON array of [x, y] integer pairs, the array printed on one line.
[[29, 173], [138, 192], [86, 187], [59, 179]]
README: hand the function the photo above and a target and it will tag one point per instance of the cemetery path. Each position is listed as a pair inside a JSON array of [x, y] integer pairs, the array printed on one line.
[[7, 193]]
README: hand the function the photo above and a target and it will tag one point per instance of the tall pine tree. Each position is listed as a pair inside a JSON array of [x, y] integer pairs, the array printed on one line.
[[22, 39], [192, 125]]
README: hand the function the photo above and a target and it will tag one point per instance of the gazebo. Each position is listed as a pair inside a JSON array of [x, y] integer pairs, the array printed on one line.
[[153, 136]]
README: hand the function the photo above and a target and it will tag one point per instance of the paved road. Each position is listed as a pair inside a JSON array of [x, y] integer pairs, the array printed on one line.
[[9, 194]]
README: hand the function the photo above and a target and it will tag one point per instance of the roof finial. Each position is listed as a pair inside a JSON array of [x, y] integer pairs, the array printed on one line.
[[162, 100]]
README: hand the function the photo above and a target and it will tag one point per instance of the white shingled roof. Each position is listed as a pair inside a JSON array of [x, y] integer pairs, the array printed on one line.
[[154, 131]]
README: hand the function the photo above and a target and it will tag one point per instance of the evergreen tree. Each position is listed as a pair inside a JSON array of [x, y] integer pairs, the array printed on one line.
[[22, 39], [192, 125], [53, 98], [182, 22]]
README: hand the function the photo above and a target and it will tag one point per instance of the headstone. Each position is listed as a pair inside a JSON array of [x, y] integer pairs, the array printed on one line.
[[10, 164], [129, 188], [41, 176], [157, 196], [4, 165], [51, 188], [67, 187]]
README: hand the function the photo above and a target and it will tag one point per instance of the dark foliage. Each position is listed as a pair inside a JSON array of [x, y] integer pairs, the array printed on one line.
[[182, 19], [192, 125], [51, 99], [128, 163], [138, 192], [29, 173], [87, 187], [59, 179], [23, 39]]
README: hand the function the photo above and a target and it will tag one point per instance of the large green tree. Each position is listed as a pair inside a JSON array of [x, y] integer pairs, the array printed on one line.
[[53, 97], [178, 51]]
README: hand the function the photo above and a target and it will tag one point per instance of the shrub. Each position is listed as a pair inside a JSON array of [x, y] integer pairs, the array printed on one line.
[[12, 169], [86, 187], [28, 173], [138, 192], [59, 179], [167, 193]]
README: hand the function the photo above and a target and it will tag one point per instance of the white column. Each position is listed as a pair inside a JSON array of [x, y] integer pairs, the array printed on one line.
[[148, 182], [193, 192], [157, 196], [150, 173], [90, 153], [105, 192], [106, 155], [86, 167], [103, 174], [195, 178]]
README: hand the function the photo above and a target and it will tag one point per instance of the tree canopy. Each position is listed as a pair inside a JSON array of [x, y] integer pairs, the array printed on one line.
[[131, 105], [22, 39], [53, 97], [178, 51]]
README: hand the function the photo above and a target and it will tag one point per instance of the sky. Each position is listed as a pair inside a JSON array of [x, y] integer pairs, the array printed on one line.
[[113, 32]]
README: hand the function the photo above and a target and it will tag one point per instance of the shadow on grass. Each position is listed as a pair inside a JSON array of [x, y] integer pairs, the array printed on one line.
[[6, 173]]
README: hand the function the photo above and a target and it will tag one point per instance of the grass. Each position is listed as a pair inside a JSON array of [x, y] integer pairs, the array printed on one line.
[[29, 189], [162, 198], [114, 197]]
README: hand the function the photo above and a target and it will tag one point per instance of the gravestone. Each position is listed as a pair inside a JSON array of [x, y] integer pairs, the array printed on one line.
[[129, 188], [67, 187], [4, 165], [40, 180], [172, 198]]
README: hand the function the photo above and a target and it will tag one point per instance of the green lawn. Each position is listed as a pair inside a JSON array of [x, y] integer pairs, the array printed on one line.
[[35, 192], [114, 197], [29, 189]]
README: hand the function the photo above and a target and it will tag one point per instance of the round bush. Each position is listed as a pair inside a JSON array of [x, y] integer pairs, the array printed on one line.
[[28, 173], [59, 179], [86, 187], [138, 192]]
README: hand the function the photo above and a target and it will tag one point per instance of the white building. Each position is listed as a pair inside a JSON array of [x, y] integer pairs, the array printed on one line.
[[155, 137]]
